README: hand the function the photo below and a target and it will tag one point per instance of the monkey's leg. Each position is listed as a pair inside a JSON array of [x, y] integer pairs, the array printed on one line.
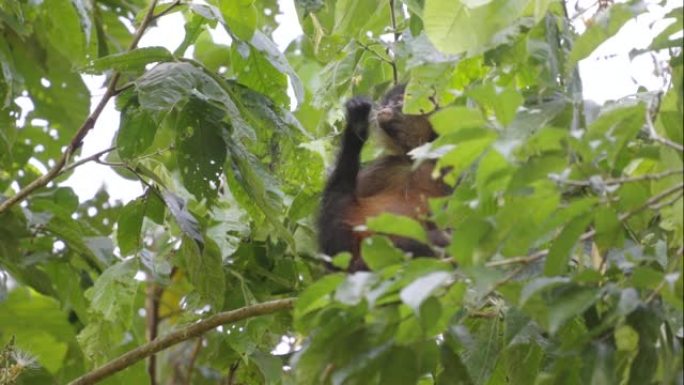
[[334, 235]]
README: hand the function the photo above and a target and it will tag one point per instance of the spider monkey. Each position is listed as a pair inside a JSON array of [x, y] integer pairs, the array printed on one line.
[[388, 184]]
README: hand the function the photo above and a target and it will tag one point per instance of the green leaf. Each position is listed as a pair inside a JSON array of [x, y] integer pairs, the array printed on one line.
[[355, 288], [213, 56], [455, 26], [614, 128], [342, 260], [240, 16], [351, 15], [129, 225], [646, 278], [64, 30], [262, 43], [38, 325], [231, 225], [603, 27], [523, 371], [168, 85], [261, 188], [609, 231], [464, 154], [113, 294], [388, 223], [136, 132], [427, 84], [317, 295], [133, 60], [503, 102], [402, 366], [451, 120], [254, 70], [419, 290], [559, 254], [205, 271], [270, 366], [201, 149], [379, 252]]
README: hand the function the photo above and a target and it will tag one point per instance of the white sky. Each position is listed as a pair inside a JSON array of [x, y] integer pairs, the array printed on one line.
[[607, 74]]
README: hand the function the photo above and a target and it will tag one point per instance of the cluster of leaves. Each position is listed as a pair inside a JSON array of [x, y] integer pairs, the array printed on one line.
[[565, 264]]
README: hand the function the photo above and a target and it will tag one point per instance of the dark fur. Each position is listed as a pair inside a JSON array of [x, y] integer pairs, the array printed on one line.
[[388, 184]]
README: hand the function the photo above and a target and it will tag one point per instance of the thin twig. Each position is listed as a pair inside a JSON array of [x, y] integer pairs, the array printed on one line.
[[622, 180], [666, 203], [87, 125], [656, 137], [655, 292], [131, 357], [393, 19], [167, 10], [193, 357], [650, 203], [505, 280], [95, 157]]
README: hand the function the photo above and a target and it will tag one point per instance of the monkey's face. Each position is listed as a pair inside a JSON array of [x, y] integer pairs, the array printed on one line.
[[401, 133]]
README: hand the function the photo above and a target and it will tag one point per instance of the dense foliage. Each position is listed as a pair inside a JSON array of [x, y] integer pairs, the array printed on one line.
[[565, 264]]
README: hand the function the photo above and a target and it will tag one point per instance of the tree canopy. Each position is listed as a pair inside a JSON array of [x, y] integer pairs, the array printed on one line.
[[565, 259]]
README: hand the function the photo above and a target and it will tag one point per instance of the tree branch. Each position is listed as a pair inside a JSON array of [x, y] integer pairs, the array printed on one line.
[[651, 202], [87, 125], [131, 357], [154, 293]]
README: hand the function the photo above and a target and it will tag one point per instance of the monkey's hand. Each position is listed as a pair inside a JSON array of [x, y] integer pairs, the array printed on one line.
[[358, 112]]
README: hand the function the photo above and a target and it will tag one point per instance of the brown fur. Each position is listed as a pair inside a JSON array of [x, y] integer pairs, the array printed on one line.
[[391, 183]]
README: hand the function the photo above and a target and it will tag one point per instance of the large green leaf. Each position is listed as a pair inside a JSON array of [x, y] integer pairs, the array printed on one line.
[[38, 325], [129, 226], [397, 225], [603, 27], [137, 129], [458, 26], [64, 29], [113, 294], [201, 149], [205, 271]]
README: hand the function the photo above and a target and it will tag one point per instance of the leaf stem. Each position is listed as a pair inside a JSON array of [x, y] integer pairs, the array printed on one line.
[[131, 357], [87, 125], [393, 20]]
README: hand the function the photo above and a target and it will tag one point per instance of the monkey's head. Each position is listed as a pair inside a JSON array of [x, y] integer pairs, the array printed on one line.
[[401, 133]]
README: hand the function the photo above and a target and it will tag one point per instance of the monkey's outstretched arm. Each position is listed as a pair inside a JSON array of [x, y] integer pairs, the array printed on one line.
[[339, 194]]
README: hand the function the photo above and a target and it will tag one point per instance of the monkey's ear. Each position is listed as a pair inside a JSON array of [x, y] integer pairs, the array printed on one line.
[[394, 93]]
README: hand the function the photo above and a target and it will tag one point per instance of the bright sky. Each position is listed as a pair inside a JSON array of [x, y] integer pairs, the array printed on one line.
[[607, 74]]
